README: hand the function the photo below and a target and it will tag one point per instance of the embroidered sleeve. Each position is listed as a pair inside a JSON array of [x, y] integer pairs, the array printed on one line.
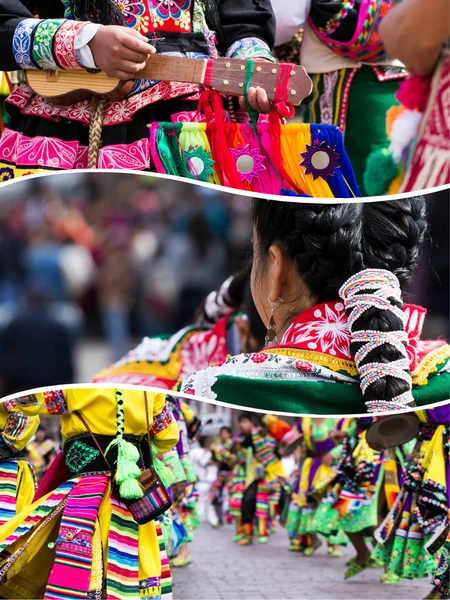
[[162, 421], [47, 44], [45, 403], [18, 430], [250, 47], [164, 430]]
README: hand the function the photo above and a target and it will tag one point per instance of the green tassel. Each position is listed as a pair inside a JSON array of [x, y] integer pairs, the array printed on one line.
[[166, 474], [127, 472], [130, 489]]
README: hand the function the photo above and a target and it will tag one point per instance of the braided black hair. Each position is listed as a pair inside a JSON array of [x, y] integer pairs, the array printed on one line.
[[105, 12], [328, 243]]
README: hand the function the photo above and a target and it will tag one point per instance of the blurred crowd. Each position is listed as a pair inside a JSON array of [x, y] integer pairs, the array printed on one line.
[[114, 257]]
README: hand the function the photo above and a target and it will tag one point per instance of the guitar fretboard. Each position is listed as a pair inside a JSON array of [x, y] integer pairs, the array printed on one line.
[[173, 68]]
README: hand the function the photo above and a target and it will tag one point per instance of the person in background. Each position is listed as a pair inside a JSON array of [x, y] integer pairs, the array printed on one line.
[[35, 348], [351, 89], [418, 34], [116, 287], [225, 459], [206, 470], [41, 452]]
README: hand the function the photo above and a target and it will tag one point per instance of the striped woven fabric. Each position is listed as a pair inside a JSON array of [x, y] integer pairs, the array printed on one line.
[[8, 490], [39, 513], [264, 448], [166, 575], [71, 572], [122, 579], [262, 500]]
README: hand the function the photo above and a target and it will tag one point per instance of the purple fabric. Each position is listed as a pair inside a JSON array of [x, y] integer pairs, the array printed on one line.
[[312, 473], [440, 414], [323, 446]]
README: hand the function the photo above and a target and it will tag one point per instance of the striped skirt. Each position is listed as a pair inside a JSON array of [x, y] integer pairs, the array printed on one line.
[[79, 542]]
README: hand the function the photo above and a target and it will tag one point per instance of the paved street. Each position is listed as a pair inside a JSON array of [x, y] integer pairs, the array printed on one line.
[[221, 569]]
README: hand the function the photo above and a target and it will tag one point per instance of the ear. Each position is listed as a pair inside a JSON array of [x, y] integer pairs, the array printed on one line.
[[277, 271]]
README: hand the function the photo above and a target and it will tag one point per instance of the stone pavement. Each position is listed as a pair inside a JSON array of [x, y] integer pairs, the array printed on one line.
[[221, 569]]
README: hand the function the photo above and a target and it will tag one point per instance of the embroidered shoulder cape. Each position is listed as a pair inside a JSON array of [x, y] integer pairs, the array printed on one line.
[[312, 371]]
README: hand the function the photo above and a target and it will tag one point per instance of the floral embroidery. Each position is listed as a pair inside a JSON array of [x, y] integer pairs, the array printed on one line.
[[323, 329], [303, 365], [43, 43], [118, 112], [162, 421], [149, 582], [133, 12], [169, 9], [258, 357], [6, 173], [22, 42], [55, 402], [64, 44]]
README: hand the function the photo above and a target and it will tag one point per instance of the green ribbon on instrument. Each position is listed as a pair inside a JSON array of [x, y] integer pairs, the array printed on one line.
[[254, 115]]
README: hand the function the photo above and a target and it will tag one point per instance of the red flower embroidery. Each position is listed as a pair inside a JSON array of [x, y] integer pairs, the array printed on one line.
[[190, 391], [259, 357], [303, 365]]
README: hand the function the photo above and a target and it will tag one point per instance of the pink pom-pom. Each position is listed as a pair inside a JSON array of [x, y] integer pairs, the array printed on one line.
[[414, 92]]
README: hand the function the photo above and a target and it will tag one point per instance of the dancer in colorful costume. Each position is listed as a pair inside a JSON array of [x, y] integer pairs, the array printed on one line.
[[43, 135], [419, 130], [78, 538], [355, 80], [329, 286], [413, 538], [256, 488], [312, 479], [184, 508], [16, 475], [185, 137], [366, 480], [226, 461]]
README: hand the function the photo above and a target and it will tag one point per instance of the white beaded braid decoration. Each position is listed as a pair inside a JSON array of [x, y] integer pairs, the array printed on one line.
[[385, 285]]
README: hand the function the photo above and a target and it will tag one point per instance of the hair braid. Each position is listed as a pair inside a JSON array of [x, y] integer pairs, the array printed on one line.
[[106, 12], [393, 231]]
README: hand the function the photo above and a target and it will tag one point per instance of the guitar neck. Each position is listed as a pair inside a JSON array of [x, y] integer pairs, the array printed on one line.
[[174, 68]]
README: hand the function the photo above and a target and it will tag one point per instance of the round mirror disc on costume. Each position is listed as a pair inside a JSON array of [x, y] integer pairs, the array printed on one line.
[[245, 163], [197, 165], [320, 160]]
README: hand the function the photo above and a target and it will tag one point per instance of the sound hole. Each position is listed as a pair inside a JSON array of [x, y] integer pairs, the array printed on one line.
[[245, 164]]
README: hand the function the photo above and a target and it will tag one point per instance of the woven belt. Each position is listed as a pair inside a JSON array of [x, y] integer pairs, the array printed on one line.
[[83, 457]]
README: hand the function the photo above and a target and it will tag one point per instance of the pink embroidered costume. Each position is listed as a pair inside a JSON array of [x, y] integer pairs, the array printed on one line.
[[44, 136]]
